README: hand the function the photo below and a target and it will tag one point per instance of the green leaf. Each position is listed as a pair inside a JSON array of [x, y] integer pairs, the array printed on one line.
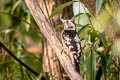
[[86, 14], [103, 39], [30, 59], [84, 30], [59, 9], [91, 66], [98, 5], [77, 15], [93, 35], [104, 62], [47, 76], [1, 71], [82, 18], [27, 26], [16, 5], [40, 76], [29, 76], [5, 20], [59, 26], [109, 61], [22, 72]]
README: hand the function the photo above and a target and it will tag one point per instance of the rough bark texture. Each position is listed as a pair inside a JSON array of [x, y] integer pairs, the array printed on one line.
[[50, 35], [50, 61]]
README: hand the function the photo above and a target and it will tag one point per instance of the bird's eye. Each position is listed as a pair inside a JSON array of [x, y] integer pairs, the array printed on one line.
[[67, 21], [71, 27]]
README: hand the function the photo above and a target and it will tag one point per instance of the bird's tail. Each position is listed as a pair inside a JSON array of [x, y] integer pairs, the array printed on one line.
[[77, 66]]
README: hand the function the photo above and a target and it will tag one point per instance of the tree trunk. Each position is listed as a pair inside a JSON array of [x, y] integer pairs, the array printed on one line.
[[50, 61]]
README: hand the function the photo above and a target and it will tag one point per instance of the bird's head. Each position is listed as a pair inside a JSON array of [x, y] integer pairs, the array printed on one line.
[[68, 24]]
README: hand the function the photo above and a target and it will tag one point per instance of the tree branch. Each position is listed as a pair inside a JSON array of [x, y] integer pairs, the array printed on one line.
[[50, 35], [18, 60]]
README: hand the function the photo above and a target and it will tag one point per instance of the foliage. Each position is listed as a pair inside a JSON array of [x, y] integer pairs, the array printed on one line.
[[57, 10], [17, 25]]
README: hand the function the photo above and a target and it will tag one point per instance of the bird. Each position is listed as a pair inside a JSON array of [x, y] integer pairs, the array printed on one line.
[[71, 40]]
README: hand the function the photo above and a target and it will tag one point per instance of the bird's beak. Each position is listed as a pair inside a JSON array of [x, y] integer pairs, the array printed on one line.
[[63, 21]]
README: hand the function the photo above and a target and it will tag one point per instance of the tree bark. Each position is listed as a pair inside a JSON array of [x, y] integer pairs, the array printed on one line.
[[50, 35], [50, 61]]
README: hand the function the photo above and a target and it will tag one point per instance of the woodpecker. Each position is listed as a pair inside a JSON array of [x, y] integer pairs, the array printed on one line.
[[71, 39]]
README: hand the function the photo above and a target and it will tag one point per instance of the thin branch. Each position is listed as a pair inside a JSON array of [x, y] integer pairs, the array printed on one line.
[[1, 12], [18, 60], [15, 17], [51, 36]]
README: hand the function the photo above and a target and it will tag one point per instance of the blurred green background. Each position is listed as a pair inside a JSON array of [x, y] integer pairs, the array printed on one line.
[[21, 35]]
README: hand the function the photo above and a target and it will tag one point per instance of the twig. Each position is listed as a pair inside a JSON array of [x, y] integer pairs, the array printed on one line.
[[18, 60], [1, 12], [15, 17]]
